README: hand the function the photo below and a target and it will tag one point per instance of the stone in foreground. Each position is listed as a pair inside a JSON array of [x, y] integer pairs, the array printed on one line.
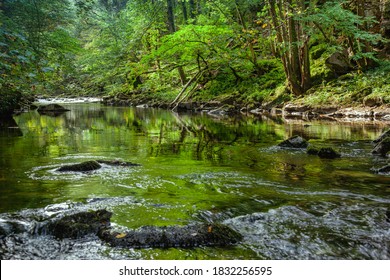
[[80, 224], [189, 236]]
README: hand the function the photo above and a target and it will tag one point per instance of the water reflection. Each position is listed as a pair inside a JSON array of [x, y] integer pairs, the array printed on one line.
[[286, 203]]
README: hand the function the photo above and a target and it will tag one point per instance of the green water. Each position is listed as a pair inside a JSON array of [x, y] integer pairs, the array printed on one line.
[[286, 204]]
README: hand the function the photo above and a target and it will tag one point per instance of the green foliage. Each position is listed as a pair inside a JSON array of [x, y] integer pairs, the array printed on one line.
[[341, 28], [120, 47], [37, 45]]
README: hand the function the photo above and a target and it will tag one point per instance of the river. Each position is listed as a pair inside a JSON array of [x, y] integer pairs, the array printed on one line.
[[195, 167]]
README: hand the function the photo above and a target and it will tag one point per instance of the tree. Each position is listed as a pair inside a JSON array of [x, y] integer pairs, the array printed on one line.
[[292, 42], [37, 40]]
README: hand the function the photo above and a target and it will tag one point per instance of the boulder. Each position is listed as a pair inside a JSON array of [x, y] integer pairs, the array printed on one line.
[[80, 167], [383, 147], [80, 224], [294, 142], [189, 236], [312, 151], [329, 153], [339, 63], [51, 110]]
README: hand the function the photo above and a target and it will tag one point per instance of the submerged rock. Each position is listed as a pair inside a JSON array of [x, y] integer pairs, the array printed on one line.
[[329, 153], [294, 142], [80, 224], [80, 167], [383, 147], [173, 236]]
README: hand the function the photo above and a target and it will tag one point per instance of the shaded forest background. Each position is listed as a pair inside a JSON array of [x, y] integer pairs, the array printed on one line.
[[257, 53]]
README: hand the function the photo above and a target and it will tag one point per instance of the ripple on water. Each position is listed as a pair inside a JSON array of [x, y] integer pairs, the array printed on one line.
[[338, 232]]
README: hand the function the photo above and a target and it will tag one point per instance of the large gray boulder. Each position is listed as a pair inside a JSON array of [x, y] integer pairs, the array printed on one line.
[[339, 63]]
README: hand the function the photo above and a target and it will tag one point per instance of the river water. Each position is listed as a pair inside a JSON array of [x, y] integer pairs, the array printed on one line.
[[195, 168]]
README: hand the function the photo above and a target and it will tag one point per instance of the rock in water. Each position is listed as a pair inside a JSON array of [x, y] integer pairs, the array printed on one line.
[[384, 170], [328, 153], [80, 224], [312, 151], [80, 167], [294, 142], [178, 237], [383, 147], [51, 110]]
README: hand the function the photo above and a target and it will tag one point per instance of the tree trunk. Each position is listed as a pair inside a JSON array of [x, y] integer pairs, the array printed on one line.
[[171, 17], [184, 10], [293, 43], [172, 29], [192, 9]]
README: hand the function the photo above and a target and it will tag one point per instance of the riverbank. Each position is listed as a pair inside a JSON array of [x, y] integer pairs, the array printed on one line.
[[353, 95]]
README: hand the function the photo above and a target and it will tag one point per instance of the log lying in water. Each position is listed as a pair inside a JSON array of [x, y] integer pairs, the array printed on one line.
[[382, 147], [189, 236]]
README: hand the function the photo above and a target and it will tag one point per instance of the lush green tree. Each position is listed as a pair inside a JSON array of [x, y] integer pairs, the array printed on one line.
[[37, 42]]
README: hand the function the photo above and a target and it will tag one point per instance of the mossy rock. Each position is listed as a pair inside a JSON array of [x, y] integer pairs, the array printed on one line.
[[80, 224], [80, 167], [328, 153], [312, 151], [189, 236]]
